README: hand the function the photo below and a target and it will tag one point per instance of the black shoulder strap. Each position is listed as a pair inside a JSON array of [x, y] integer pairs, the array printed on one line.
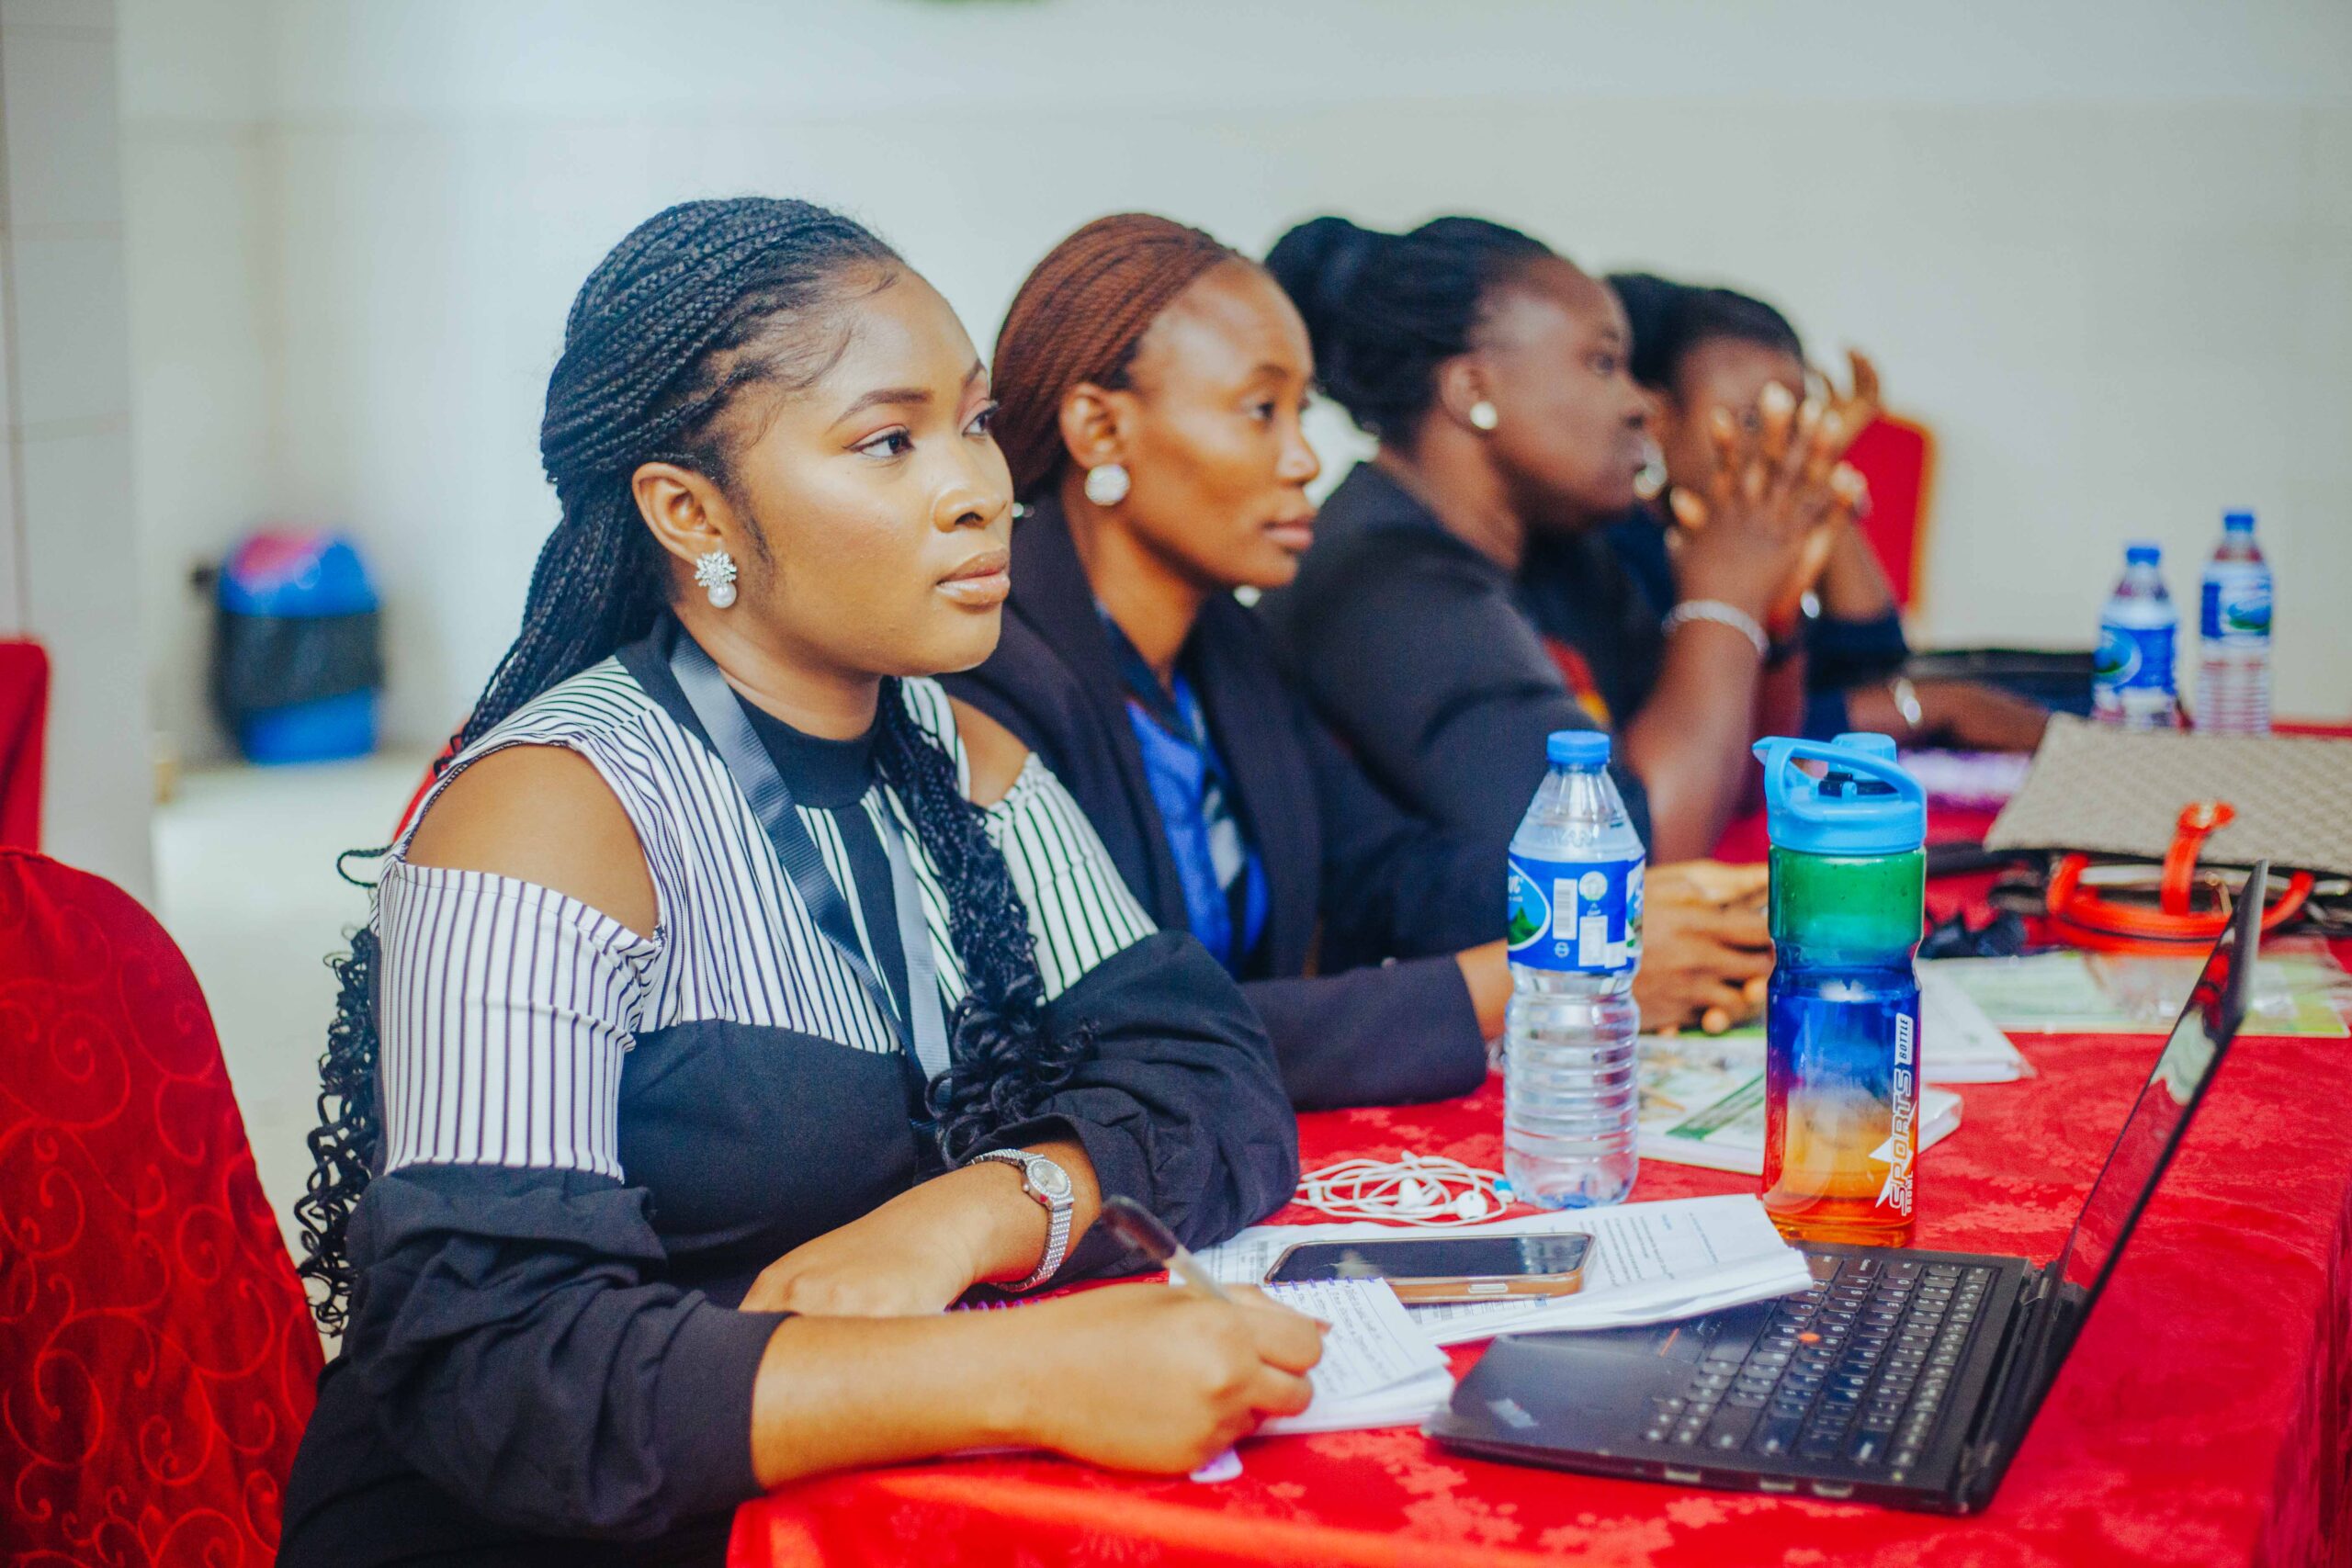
[[721, 713]]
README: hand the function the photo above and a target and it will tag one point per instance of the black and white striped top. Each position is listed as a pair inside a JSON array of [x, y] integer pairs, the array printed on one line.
[[506, 1013]]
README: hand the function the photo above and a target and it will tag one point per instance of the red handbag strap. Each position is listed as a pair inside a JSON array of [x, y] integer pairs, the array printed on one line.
[[2088, 921]]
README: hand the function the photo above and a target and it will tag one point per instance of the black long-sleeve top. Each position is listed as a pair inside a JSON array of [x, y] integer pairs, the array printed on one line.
[[1419, 653], [1338, 854], [593, 1139]]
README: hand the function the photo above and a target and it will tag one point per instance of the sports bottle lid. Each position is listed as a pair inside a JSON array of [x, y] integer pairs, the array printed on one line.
[[1869, 742], [1577, 748], [2142, 553], [1864, 804], [2237, 522]]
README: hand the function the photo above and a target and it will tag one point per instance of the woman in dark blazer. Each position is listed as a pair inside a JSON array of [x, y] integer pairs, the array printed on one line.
[[1151, 382]]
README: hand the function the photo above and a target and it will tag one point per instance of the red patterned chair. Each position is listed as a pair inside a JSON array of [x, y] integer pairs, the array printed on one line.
[[1898, 457], [157, 1362], [24, 716]]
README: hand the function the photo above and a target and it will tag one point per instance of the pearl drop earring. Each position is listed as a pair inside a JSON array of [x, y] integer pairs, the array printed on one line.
[[1106, 484], [1483, 415], [715, 574]]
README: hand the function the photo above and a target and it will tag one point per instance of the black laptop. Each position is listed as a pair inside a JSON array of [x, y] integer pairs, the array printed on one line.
[[1901, 1377]]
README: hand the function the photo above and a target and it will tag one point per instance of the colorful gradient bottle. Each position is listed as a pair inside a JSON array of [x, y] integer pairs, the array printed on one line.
[[1841, 1078]]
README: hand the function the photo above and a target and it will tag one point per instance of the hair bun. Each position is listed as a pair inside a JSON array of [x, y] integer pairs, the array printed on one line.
[[1317, 263]]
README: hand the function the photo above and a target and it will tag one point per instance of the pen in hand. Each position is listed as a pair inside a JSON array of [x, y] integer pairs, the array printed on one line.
[[1141, 1229]]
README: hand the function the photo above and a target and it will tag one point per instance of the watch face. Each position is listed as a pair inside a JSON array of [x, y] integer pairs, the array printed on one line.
[[1049, 1179]]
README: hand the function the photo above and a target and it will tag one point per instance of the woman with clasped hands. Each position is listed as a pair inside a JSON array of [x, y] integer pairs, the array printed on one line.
[[738, 1002]]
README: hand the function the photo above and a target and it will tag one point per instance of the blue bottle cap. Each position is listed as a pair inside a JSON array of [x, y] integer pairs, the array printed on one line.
[[2237, 522], [1869, 742], [2142, 553], [1577, 748], [1864, 804]]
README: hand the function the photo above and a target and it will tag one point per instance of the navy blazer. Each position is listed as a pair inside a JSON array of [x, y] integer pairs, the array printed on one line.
[[1385, 891]]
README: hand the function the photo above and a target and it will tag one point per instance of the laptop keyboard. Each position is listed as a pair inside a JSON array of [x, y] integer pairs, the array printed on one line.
[[1856, 1369]]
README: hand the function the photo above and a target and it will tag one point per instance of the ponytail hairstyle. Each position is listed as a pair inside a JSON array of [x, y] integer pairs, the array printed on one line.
[[1078, 317], [699, 303], [1385, 310], [1670, 320]]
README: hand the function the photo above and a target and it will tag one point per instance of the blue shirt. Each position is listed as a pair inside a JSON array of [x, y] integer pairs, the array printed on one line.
[[1225, 896]]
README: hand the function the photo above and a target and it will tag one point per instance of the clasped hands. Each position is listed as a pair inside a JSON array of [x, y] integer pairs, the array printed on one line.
[[1776, 497]]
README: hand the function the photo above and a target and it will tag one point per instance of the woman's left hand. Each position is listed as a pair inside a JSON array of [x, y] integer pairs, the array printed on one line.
[[914, 1255]]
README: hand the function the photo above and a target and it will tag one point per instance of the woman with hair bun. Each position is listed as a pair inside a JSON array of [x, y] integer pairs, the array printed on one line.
[[1152, 382], [736, 1001], [1494, 374]]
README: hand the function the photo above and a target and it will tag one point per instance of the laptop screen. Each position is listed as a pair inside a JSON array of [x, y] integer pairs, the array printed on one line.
[[2143, 1149], [2215, 1007]]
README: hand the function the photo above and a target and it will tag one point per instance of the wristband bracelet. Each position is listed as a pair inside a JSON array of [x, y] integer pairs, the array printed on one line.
[[1722, 614]]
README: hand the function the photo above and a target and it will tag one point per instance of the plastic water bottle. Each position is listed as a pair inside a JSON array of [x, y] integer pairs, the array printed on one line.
[[2233, 635], [1570, 1102], [1841, 1027], [2132, 678]]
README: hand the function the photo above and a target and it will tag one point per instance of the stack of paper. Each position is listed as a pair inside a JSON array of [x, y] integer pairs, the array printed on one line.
[[1957, 1043], [1651, 1262], [1378, 1369], [1702, 1102]]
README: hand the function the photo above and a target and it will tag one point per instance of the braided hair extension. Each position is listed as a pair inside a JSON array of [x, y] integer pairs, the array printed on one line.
[[1002, 1060], [1670, 320], [1385, 310], [699, 302], [1078, 317]]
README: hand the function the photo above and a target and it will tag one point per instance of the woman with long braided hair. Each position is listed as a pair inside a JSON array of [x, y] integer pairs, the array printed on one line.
[[735, 1002]]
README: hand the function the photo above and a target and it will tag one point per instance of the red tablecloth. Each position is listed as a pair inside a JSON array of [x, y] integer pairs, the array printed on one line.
[[2205, 1417]]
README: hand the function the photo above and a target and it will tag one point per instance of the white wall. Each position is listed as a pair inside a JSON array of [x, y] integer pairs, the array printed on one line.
[[199, 164], [67, 522], [2105, 247]]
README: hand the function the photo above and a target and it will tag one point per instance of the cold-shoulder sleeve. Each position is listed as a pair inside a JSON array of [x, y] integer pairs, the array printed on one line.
[[508, 1319]]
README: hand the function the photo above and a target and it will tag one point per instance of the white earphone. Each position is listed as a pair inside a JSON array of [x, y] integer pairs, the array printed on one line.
[[1412, 1189]]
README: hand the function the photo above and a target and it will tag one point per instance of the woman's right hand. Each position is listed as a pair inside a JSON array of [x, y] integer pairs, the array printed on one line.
[[1706, 949], [1775, 493], [1150, 1378]]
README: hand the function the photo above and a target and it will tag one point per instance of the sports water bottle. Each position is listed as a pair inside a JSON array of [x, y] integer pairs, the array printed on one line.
[[2233, 635], [1841, 1027], [2132, 678], [1570, 1102]]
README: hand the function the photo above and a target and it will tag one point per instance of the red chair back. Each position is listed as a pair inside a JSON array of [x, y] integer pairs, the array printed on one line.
[[157, 1361], [1898, 458], [24, 717]]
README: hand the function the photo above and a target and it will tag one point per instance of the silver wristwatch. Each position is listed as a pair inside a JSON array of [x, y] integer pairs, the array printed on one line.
[[1050, 1185]]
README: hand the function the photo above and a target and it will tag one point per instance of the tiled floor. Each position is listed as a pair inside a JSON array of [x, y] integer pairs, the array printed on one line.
[[247, 883]]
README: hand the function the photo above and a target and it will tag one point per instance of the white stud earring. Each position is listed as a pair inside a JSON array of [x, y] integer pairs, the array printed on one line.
[[1483, 415], [1649, 480], [715, 574], [1106, 484]]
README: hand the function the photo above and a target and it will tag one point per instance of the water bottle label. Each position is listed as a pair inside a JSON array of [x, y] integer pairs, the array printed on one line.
[[1577, 917], [2236, 608], [2131, 676], [1902, 1146]]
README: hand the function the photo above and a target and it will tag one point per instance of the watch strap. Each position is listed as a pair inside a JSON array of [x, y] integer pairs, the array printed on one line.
[[1058, 1213]]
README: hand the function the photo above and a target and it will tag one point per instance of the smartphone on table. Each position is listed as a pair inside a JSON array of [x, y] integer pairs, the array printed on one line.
[[1425, 1270]]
